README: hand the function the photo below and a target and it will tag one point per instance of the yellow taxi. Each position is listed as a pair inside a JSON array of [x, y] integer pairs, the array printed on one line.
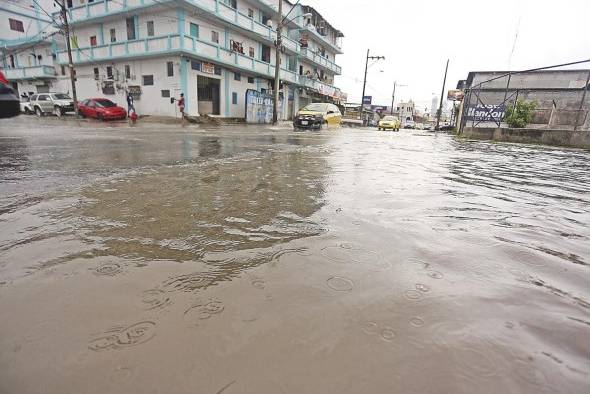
[[317, 116], [389, 122]]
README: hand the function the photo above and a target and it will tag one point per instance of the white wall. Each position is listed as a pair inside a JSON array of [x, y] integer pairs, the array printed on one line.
[[151, 101], [165, 22]]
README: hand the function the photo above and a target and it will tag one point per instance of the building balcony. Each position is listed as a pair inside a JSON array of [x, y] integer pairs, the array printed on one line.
[[323, 88], [34, 72], [191, 47], [90, 12], [320, 60], [323, 39]]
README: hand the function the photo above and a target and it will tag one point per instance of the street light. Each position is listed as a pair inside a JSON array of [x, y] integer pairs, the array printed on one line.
[[365, 80], [278, 44]]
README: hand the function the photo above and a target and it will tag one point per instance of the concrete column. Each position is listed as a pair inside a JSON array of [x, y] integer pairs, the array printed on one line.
[[586, 125]]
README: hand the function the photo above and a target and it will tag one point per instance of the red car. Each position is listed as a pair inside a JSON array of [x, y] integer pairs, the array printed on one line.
[[101, 108]]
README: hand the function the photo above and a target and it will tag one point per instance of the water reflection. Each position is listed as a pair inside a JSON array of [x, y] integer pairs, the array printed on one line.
[[182, 213]]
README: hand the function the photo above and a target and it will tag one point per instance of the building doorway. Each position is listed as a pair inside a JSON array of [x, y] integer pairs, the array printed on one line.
[[208, 94]]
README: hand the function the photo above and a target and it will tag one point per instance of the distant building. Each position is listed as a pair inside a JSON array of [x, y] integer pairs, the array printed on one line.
[[405, 111], [433, 107]]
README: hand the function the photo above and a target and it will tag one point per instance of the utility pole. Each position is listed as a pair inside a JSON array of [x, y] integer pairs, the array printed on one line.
[[64, 16], [278, 44], [365, 80], [393, 96], [438, 113]]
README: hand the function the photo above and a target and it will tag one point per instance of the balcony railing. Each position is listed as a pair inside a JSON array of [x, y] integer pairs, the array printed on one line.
[[322, 61], [102, 8], [321, 87], [154, 46], [33, 72]]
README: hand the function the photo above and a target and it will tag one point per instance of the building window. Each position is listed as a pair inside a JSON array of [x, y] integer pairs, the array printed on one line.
[[170, 68], [150, 28], [165, 93], [113, 35], [63, 70], [250, 13], [237, 77], [96, 74], [92, 41], [130, 22], [251, 52], [109, 72], [265, 55], [234, 98], [194, 30], [16, 25], [232, 3], [147, 80], [250, 79], [217, 70], [196, 65], [108, 87], [214, 36], [127, 71]]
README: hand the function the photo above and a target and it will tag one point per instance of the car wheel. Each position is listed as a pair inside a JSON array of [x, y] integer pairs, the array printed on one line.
[[38, 111], [58, 111], [100, 117], [27, 111], [81, 114]]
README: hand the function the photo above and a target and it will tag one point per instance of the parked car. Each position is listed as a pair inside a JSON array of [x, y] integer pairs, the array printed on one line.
[[389, 122], [51, 103], [317, 116], [25, 105], [408, 124], [427, 126], [419, 126], [9, 103], [101, 108]]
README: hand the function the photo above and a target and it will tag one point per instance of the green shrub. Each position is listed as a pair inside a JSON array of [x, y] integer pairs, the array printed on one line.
[[520, 114]]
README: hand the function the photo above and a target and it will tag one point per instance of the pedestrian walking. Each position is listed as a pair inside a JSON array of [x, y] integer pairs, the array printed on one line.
[[181, 107], [130, 106]]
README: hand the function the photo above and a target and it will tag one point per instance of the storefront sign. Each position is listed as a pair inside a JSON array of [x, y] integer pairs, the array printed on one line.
[[455, 95], [208, 68]]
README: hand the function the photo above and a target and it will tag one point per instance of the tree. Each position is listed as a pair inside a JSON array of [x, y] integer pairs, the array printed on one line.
[[520, 114]]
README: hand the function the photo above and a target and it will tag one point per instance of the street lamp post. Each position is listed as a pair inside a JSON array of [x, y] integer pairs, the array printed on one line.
[[365, 80], [393, 95], [278, 48], [438, 113], [66, 26], [278, 43]]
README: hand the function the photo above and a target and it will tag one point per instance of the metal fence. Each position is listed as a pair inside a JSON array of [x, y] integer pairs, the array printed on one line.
[[485, 103]]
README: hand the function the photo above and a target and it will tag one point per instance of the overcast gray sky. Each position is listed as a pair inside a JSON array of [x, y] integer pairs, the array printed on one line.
[[417, 36]]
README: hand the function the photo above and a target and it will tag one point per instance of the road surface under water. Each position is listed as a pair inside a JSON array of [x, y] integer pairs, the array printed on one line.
[[159, 259]]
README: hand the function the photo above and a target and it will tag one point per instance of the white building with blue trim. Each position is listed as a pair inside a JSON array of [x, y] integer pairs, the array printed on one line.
[[210, 50]]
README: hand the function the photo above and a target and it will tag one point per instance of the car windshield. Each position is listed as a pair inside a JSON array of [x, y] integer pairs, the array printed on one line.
[[389, 118], [105, 103], [60, 96], [316, 107]]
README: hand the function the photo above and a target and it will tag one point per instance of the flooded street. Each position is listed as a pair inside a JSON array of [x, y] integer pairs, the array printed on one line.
[[245, 259]]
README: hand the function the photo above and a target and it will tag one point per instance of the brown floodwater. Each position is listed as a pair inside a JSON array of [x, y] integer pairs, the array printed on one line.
[[246, 259]]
